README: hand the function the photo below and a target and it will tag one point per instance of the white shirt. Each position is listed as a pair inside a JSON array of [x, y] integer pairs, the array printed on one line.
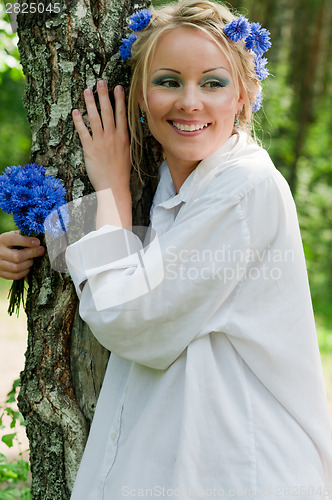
[[214, 386]]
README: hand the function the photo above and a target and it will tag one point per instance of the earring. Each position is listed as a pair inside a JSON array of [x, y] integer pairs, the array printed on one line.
[[142, 116], [237, 119]]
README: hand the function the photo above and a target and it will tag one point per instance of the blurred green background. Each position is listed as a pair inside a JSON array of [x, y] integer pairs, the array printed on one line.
[[294, 125]]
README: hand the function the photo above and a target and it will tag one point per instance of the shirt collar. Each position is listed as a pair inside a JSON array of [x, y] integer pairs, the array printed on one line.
[[166, 195]]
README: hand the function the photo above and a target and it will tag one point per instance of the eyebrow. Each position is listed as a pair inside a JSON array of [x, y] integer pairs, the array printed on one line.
[[168, 69], [212, 69], [179, 72]]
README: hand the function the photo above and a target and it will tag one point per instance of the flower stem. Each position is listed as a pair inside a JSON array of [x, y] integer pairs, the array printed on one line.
[[16, 296]]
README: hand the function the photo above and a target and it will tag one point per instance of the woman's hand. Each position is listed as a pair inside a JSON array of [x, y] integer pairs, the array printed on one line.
[[107, 151], [14, 263]]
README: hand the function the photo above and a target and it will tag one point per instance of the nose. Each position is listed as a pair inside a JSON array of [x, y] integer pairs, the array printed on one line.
[[189, 98]]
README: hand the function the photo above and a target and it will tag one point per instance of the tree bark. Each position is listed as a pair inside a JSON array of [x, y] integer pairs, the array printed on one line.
[[62, 54]]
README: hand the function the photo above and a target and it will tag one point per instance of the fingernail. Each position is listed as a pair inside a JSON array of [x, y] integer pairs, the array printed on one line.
[[76, 112], [118, 88], [102, 84], [35, 242], [88, 92]]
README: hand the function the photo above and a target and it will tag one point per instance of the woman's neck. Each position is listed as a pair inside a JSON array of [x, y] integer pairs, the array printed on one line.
[[180, 171]]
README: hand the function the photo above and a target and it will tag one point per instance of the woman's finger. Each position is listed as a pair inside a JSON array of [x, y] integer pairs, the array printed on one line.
[[26, 254], [14, 275], [106, 109], [82, 130], [25, 241], [11, 267], [18, 256], [14, 238], [15, 263], [11, 270], [31, 248], [120, 111], [93, 114]]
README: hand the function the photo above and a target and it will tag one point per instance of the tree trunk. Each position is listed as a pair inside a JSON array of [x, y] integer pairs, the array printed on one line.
[[303, 77], [62, 54]]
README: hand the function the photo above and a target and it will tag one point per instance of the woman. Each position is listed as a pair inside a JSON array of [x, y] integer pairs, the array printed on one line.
[[214, 386]]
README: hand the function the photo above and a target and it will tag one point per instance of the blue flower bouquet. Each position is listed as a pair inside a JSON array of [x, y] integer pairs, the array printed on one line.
[[30, 196]]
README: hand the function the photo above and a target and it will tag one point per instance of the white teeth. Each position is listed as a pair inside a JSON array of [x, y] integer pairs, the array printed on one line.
[[189, 128]]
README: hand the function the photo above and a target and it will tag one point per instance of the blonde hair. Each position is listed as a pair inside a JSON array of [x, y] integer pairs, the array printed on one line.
[[210, 18]]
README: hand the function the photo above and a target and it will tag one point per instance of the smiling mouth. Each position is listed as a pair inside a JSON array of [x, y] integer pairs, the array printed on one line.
[[189, 128]]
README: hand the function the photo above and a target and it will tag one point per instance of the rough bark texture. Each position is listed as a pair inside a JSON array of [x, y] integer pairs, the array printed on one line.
[[61, 55]]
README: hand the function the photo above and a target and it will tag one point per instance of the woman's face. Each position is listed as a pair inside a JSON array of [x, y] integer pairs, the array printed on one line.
[[192, 97]]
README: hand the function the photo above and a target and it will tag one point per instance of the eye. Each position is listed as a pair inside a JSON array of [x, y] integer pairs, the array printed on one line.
[[214, 84], [170, 83], [167, 82]]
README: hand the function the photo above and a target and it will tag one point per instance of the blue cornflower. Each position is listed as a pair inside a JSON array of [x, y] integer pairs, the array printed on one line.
[[31, 176], [64, 217], [6, 195], [125, 48], [21, 221], [22, 196], [238, 29], [30, 195], [56, 189], [258, 40], [12, 171], [140, 20], [52, 225], [49, 194], [258, 103], [261, 70], [34, 169], [56, 223], [35, 219]]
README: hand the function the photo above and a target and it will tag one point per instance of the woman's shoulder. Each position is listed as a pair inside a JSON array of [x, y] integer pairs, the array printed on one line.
[[245, 169]]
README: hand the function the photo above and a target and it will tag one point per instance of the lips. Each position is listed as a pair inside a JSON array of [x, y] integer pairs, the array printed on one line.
[[185, 126], [189, 128]]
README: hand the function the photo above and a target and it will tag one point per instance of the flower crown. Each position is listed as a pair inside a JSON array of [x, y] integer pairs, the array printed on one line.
[[139, 20], [256, 39]]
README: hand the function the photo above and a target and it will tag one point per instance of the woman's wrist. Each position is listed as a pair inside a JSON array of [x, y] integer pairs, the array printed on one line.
[[114, 207], [118, 183]]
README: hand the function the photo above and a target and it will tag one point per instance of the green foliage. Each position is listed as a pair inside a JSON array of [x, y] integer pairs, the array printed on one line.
[[276, 121], [14, 474], [15, 135], [14, 481], [9, 55], [314, 201], [313, 195]]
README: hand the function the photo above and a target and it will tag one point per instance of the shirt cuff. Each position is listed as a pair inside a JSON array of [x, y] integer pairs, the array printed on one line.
[[110, 247]]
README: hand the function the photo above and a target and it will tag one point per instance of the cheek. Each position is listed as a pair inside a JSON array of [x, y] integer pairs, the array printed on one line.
[[158, 103], [158, 106], [225, 105]]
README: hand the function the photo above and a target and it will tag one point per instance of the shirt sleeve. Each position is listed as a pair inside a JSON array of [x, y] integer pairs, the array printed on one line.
[[155, 326], [271, 323]]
